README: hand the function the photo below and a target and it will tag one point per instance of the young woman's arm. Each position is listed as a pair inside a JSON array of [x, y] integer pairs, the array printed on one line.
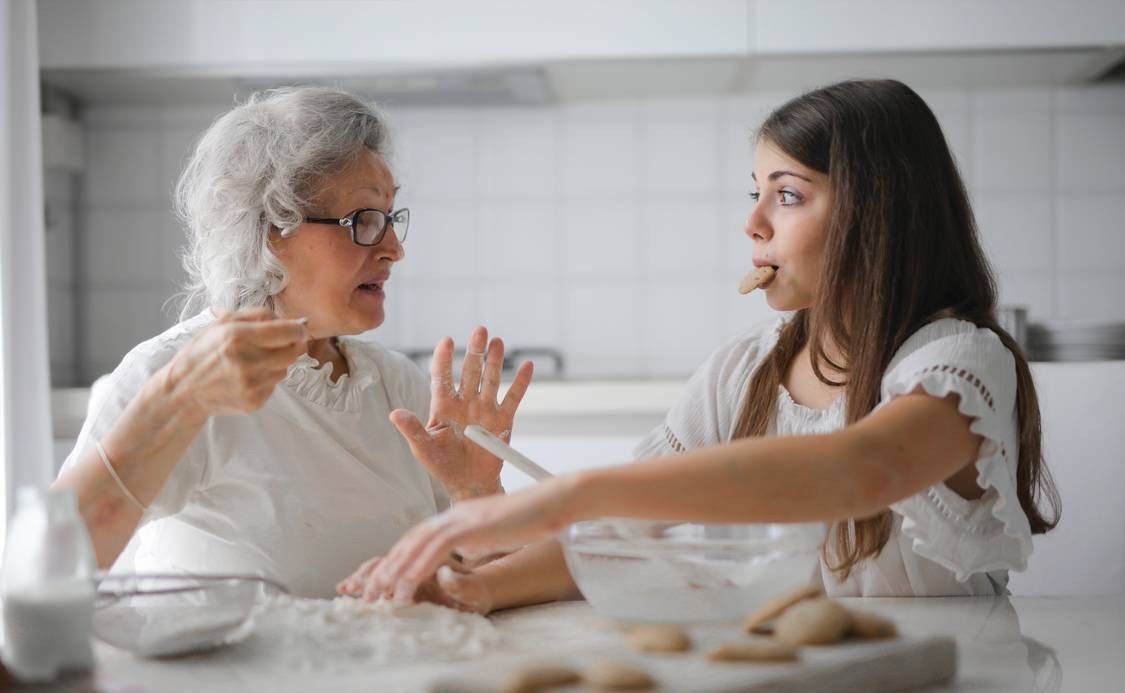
[[909, 445], [906, 446]]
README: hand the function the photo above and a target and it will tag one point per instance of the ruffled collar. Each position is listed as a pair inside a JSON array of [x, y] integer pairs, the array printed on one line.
[[797, 419], [788, 402], [312, 380]]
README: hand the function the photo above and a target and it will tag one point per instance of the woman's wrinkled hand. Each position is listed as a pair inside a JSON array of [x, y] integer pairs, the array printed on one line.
[[463, 468], [233, 365], [453, 585], [474, 526]]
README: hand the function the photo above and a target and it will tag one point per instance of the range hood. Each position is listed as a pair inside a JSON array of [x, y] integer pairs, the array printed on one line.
[[531, 85], [511, 52]]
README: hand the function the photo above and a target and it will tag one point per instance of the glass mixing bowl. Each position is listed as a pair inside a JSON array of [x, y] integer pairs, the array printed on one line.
[[644, 571], [168, 615]]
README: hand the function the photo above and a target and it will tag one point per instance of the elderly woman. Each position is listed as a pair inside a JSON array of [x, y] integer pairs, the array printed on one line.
[[255, 436]]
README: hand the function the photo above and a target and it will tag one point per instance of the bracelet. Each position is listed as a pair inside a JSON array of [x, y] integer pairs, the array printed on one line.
[[120, 484]]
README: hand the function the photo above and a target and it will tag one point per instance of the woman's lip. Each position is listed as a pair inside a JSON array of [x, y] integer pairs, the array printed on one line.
[[376, 291]]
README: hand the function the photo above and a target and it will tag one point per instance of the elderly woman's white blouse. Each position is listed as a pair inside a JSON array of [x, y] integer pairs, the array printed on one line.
[[302, 490], [941, 543]]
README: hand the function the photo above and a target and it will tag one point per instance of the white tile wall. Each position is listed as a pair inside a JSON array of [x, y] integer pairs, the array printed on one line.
[[1011, 150], [681, 321], [518, 153], [518, 240], [1090, 147], [614, 229], [600, 238], [59, 190], [1016, 228], [680, 236]]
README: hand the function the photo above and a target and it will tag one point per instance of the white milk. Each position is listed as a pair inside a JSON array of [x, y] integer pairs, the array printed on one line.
[[47, 587], [47, 631]]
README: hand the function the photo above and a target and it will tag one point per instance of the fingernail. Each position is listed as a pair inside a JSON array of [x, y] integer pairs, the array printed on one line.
[[448, 578], [303, 321]]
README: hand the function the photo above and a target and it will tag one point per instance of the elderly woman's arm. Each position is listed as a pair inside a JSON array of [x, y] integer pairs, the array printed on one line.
[[231, 366]]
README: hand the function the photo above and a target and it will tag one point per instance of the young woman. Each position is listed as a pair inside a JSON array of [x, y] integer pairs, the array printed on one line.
[[886, 402]]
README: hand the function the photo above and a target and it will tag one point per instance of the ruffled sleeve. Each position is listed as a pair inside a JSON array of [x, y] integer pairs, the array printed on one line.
[[708, 407], [991, 532]]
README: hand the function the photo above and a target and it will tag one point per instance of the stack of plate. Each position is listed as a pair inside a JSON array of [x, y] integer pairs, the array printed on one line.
[[1076, 341]]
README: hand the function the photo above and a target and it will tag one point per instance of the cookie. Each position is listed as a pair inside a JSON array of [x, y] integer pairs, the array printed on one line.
[[754, 649], [658, 638], [540, 677], [817, 621], [868, 626], [616, 676], [760, 276], [773, 608]]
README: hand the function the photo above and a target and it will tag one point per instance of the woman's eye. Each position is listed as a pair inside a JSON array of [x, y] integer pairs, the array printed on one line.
[[754, 195], [788, 197]]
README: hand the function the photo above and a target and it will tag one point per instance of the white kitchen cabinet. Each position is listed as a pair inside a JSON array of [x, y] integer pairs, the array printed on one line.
[[783, 27], [706, 41], [271, 37]]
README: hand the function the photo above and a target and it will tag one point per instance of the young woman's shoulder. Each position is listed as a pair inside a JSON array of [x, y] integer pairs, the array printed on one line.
[[954, 349], [723, 377], [990, 533], [747, 349], [705, 412]]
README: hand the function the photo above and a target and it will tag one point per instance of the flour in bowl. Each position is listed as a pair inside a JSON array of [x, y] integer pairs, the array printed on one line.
[[341, 633]]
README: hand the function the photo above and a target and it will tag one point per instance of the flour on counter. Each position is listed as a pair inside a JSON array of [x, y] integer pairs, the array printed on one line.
[[342, 633]]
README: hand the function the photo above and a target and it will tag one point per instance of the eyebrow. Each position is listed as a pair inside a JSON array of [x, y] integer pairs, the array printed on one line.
[[778, 174], [376, 189]]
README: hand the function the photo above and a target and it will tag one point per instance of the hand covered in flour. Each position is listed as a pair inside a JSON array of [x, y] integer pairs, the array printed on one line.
[[479, 525], [463, 468], [453, 585]]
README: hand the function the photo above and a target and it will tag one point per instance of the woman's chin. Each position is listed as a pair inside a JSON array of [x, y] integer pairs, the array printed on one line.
[[783, 302], [360, 321]]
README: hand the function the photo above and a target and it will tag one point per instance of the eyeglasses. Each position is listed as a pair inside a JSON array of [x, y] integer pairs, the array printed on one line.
[[369, 226]]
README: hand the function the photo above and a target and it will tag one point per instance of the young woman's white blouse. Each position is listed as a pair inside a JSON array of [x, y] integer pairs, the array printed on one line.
[[941, 543], [302, 490]]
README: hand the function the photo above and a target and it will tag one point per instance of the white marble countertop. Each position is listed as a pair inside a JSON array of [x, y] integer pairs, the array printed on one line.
[[1003, 644]]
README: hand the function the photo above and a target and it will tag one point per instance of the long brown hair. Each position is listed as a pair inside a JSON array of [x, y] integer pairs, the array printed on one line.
[[901, 250]]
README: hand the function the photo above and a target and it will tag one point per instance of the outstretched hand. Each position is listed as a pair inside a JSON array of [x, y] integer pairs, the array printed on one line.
[[463, 468], [408, 570]]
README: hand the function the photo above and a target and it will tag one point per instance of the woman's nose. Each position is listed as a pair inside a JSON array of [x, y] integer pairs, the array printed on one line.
[[390, 247], [757, 226]]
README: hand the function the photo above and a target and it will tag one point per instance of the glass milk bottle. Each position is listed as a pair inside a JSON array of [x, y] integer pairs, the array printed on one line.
[[47, 587]]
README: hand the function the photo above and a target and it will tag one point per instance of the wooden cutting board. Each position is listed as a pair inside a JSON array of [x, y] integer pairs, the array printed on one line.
[[891, 665]]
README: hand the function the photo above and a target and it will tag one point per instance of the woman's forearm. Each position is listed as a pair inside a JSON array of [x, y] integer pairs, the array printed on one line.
[[905, 447], [144, 445], [532, 575], [770, 479]]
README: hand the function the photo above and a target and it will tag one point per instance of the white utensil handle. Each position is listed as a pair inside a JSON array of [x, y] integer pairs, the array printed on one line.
[[505, 452]]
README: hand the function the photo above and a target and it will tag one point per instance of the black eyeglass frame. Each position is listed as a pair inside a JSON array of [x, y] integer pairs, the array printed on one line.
[[388, 222]]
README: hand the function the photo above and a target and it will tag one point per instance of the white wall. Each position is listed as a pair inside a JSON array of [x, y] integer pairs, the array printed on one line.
[[613, 229]]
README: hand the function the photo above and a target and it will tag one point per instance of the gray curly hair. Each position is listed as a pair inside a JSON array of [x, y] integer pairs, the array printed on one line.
[[262, 165]]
